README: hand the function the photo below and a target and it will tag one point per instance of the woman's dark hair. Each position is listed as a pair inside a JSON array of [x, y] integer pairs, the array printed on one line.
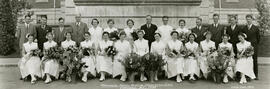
[[110, 20], [61, 19], [174, 32], [140, 31], [130, 20], [95, 20], [105, 33], [87, 33], [181, 20], [67, 33], [28, 35], [122, 33], [243, 35], [157, 34]]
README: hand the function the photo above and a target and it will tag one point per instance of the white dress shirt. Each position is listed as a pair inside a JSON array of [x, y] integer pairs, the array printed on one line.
[[165, 31]]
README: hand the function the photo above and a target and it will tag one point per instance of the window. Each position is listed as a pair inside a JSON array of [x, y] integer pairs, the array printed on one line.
[[42, 0]]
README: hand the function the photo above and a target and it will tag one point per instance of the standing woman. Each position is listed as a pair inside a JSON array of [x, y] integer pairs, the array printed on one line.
[[175, 61], [141, 48], [51, 66], [124, 48], [89, 58], [230, 70], [244, 64], [104, 62], [68, 42], [30, 64], [95, 31], [158, 47], [130, 30], [111, 30], [183, 31], [206, 47], [191, 63]]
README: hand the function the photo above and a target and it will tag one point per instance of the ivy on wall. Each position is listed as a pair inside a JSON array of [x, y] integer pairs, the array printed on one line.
[[9, 10]]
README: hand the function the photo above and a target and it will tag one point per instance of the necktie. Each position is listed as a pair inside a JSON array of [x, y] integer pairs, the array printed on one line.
[[27, 26]]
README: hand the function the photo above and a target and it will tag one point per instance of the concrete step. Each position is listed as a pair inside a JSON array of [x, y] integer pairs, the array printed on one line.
[[12, 62]]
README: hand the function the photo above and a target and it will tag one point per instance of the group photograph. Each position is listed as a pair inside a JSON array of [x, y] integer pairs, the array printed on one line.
[[134, 44]]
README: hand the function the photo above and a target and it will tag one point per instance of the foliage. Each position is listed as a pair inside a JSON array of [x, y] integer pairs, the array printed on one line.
[[264, 15]]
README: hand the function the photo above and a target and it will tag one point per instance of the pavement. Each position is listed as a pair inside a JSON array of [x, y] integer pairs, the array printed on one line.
[[9, 79], [12, 62]]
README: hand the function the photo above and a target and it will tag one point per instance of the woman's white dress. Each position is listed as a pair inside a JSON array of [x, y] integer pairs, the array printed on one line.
[[104, 63], [231, 68], [123, 48], [96, 34], [203, 64], [165, 31], [159, 48], [176, 64], [51, 66], [245, 64], [183, 30], [110, 29], [128, 31], [141, 47], [30, 64], [191, 63], [89, 60], [66, 43]]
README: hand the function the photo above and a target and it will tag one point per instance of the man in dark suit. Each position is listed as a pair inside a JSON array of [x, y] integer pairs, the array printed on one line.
[[217, 30], [149, 30], [41, 32], [199, 30], [59, 33], [233, 31], [78, 30], [253, 36]]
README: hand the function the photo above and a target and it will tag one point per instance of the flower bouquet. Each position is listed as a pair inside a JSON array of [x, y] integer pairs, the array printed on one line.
[[132, 65], [249, 51], [72, 64], [35, 52], [173, 53], [218, 64], [88, 51], [184, 37], [134, 36], [114, 35], [152, 63], [54, 53], [111, 51], [187, 53]]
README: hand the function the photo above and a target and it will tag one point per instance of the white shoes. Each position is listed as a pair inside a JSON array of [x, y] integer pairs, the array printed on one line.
[[123, 79], [48, 80], [84, 78], [178, 79], [225, 79]]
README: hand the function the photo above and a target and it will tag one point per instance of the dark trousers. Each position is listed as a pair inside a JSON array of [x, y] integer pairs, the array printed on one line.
[[255, 61]]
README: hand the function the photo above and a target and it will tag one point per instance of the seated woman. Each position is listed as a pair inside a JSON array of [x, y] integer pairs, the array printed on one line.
[[175, 60], [206, 47], [158, 47], [124, 49], [68, 42], [89, 56], [191, 63], [30, 64], [230, 69], [141, 48], [244, 64], [51, 66], [104, 62]]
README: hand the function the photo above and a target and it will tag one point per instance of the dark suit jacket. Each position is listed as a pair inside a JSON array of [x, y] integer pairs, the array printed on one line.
[[199, 33], [149, 32], [233, 33], [41, 35], [217, 33], [253, 34], [78, 31], [59, 36]]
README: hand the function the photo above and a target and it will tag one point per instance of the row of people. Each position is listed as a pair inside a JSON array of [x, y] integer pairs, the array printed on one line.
[[177, 66], [79, 28]]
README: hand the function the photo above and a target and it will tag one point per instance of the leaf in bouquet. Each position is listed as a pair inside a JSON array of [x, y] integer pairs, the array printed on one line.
[[175, 52]]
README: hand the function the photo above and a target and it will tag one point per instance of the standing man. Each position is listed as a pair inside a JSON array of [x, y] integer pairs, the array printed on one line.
[[41, 32], [165, 30], [59, 32], [199, 30], [233, 31], [217, 30], [78, 30], [24, 29], [253, 36], [149, 30]]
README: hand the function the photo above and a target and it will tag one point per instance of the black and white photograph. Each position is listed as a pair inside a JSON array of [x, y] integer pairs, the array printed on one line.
[[134, 44]]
